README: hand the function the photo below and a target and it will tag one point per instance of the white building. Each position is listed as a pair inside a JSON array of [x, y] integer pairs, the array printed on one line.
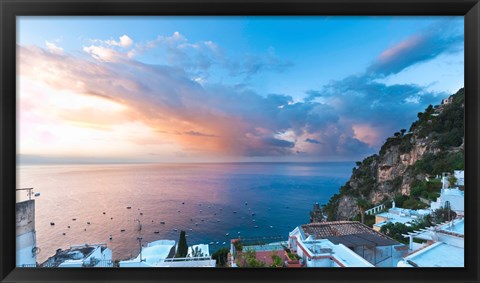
[[161, 253], [460, 175], [445, 246], [344, 243], [94, 255], [323, 253], [455, 197], [399, 215], [26, 242]]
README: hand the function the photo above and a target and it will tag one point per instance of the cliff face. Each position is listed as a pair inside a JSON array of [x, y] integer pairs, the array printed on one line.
[[403, 159]]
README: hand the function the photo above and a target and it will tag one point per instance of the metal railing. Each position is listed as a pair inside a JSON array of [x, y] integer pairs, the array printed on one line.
[[97, 263]]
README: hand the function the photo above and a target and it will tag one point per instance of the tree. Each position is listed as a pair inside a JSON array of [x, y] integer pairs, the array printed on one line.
[[452, 181], [362, 206], [182, 248], [443, 214], [249, 259], [220, 256], [197, 252]]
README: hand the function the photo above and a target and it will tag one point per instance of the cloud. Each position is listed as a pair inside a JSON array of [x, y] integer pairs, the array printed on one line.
[[104, 54], [52, 47], [198, 134], [278, 143], [314, 141], [198, 58], [345, 119], [245, 122], [420, 47], [251, 65], [124, 41]]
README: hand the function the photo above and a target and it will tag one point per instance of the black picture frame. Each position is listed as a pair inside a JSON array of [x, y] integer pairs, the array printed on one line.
[[11, 8]]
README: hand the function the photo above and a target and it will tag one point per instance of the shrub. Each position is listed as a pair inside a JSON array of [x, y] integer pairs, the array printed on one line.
[[220, 256]]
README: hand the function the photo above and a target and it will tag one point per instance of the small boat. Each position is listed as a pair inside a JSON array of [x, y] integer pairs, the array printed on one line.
[[216, 243], [253, 214], [123, 230], [209, 206], [190, 229], [104, 212], [238, 232], [256, 226], [141, 213], [271, 226], [226, 234], [175, 230], [253, 220], [183, 202], [178, 211], [74, 219], [68, 227], [110, 237], [196, 224], [223, 243], [201, 210], [215, 213], [211, 243], [63, 234], [37, 194], [156, 232], [52, 223], [129, 207], [88, 223], [162, 222], [203, 220], [245, 203], [234, 212], [218, 220], [111, 218]]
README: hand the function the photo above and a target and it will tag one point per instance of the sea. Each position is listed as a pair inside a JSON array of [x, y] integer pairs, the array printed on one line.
[[212, 202]]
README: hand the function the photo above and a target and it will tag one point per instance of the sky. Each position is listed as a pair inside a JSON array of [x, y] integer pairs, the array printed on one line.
[[227, 89]]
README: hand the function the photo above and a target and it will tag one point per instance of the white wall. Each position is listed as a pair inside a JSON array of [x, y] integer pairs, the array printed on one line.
[[24, 245], [25, 233]]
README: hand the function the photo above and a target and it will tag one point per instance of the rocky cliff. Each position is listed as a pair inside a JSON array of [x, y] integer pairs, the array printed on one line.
[[433, 144]]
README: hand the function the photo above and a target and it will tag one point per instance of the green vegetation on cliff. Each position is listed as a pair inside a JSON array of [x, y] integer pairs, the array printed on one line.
[[433, 145]]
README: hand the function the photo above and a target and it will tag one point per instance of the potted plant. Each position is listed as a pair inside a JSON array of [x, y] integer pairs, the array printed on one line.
[[293, 259]]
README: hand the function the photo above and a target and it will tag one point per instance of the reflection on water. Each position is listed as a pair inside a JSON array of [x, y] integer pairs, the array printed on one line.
[[206, 200]]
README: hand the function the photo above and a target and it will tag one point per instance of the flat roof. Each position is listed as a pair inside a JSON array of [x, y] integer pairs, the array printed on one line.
[[155, 252], [457, 226], [363, 239], [74, 253], [438, 255], [452, 192], [338, 251]]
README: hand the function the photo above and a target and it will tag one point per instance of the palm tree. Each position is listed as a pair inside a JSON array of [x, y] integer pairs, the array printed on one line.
[[362, 206]]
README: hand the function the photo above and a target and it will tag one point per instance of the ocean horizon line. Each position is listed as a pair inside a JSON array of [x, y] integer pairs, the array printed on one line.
[[174, 163]]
